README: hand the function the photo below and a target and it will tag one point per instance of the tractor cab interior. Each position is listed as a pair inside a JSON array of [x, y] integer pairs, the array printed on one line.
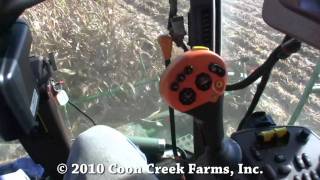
[[198, 83]]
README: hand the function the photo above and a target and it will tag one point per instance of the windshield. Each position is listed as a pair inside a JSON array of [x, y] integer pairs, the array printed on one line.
[[108, 56], [247, 42]]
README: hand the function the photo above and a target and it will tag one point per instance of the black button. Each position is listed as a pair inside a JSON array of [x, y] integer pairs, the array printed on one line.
[[187, 96], [305, 176], [269, 172], [181, 77], [303, 136], [284, 169], [259, 138], [174, 86], [215, 68], [279, 158], [203, 81], [306, 160], [256, 154], [188, 70], [298, 163], [314, 175], [296, 177]]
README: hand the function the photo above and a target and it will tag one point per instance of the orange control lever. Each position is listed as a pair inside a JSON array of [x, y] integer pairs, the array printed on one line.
[[165, 42], [195, 78]]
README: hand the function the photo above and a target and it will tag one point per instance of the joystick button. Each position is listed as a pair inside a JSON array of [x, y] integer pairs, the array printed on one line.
[[314, 175], [303, 136], [269, 172], [305, 176], [188, 70], [279, 158], [306, 160], [181, 77], [285, 169], [299, 163], [215, 68], [203, 82], [187, 96], [174, 86], [296, 177]]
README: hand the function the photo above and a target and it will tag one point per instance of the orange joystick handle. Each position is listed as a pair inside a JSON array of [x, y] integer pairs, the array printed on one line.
[[194, 84]]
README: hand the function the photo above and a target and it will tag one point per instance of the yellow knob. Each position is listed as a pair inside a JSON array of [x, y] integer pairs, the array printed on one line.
[[195, 48], [267, 135], [219, 84], [281, 132]]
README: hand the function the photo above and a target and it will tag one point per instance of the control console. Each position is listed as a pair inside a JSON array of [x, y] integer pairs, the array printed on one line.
[[286, 152]]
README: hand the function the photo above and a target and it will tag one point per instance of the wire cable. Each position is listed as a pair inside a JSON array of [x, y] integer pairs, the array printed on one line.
[[83, 113], [172, 125], [283, 51], [173, 131], [259, 72], [256, 98], [185, 154]]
